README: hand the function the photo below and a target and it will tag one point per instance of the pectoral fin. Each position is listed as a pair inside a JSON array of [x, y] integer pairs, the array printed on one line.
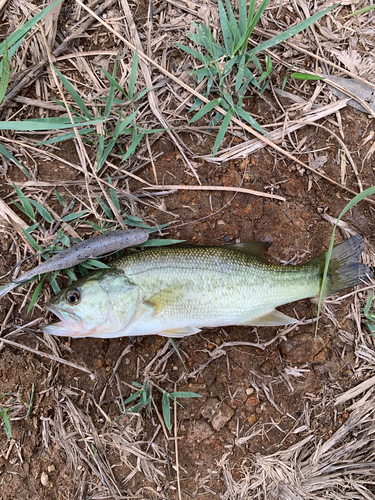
[[273, 318], [168, 296], [179, 332]]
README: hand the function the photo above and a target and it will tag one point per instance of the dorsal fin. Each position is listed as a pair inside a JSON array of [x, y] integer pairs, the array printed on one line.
[[257, 248]]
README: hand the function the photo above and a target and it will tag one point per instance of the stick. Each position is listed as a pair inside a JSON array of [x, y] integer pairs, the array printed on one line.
[[219, 188], [50, 356]]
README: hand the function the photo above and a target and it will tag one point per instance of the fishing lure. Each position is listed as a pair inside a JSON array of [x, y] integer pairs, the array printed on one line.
[[105, 243]]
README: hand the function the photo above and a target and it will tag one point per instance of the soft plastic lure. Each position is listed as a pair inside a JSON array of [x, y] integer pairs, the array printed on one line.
[[93, 247]]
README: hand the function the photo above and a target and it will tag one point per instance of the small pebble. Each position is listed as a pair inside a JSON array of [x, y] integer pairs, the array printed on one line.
[[44, 479], [222, 417]]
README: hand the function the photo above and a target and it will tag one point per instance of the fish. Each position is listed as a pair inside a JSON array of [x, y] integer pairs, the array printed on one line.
[[177, 291]]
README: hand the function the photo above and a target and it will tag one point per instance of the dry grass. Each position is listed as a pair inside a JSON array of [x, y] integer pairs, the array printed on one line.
[[135, 456]]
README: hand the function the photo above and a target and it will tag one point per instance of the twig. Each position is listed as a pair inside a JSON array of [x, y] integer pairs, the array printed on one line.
[[176, 446], [46, 355], [219, 188]]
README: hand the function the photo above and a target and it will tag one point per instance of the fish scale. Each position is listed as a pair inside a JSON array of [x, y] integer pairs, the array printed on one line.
[[176, 291]]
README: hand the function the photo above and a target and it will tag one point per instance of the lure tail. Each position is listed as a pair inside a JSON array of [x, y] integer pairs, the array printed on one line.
[[344, 269]]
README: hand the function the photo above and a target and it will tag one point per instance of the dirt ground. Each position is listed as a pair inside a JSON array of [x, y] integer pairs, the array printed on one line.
[[263, 389]]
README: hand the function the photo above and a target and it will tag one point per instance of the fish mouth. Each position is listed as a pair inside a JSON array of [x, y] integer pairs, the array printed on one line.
[[67, 326]]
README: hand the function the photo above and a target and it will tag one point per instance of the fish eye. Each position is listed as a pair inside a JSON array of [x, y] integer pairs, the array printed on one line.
[[73, 296]]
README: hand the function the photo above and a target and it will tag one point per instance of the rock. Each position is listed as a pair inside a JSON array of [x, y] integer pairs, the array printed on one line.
[[252, 419], [209, 375], [44, 479], [239, 395], [266, 368], [199, 431], [251, 404], [305, 348], [222, 417], [210, 407]]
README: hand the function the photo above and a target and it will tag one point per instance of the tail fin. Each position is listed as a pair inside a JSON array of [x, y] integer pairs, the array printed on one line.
[[344, 269]]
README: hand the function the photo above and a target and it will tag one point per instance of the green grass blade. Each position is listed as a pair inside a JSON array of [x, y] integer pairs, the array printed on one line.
[[42, 211], [113, 195], [100, 151], [134, 218], [362, 11], [103, 156], [77, 215], [95, 264], [196, 104], [45, 124], [14, 37], [361, 196], [222, 131], [281, 37], [25, 203], [4, 73], [175, 347], [5, 418], [303, 76], [65, 137], [35, 296], [133, 397], [136, 139], [240, 73], [31, 240], [113, 82], [251, 23], [138, 407], [133, 75], [122, 125], [60, 198], [109, 103], [105, 208], [233, 26], [225, 28], [166, 411], [242, 16], [10, 157], [12, 50], [142, 93], [159, 243], [31, 401], [72, 91], [250, 120], [54, 285], [206, 109], [368, 304], [180, 394], [137, 224], [70, 274], [192, 52]]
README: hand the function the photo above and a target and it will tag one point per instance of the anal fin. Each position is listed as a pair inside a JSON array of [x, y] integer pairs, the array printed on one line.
[[179, 332], [273, 318]]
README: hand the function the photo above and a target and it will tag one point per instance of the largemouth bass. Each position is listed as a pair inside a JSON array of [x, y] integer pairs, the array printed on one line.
[[176, 291]]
